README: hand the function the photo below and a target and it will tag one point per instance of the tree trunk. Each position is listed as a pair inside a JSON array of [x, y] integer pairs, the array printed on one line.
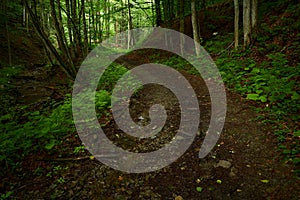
[[181, 25], [47, 42], [7, 33], [195, 27], [76, 33], [69, 21], [24, 16], [8, 44], [246, 22], [86, 43], [253, 14], [165, 11], [158, 12], [98, 24], [27, 16], [60, 33], [130, 26], [236, 23], [94, 27], [107, 17]]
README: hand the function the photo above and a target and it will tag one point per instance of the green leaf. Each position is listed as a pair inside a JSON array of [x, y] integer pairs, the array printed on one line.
[[259, 91], [296, 161], [255, 70], [199, 189], [265, 181], [263, 98], [50, 145], [297, 134], [253, 97], [219, 181], [286, 151], [282, 146]]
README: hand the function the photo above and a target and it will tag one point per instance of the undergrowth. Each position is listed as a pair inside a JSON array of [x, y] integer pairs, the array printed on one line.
[[25, 132], [268, 73]]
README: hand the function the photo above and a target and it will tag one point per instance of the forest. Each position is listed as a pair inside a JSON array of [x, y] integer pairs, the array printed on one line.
[[61, 60]]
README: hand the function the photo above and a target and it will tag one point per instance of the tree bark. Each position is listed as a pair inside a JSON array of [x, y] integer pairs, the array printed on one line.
[[253, 14], [236, 23], [86, 43], [107, 18], [130, 26], [195, 27], [181, 25], [69, 21], [7, 34], [158, 12], [246, 22], [76, 33]]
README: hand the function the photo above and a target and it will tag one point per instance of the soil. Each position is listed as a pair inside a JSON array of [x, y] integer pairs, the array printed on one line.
[[245, 163]]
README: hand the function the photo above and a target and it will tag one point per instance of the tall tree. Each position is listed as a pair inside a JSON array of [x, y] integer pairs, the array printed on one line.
[[158, 12], [5, 10], [249, 20], [107, 17], [236, 23], [195, 27], [69, 21], [181, 24], [246, 22], [253, 14], [130, 26], [85, 34], [76, 28]]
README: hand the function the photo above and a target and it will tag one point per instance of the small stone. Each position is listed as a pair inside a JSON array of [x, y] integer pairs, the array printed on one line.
[[233, 172], [224, 163], [141, 118]]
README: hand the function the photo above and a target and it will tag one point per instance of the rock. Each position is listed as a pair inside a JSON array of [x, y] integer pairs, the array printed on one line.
[[178, 198], [223, 163]]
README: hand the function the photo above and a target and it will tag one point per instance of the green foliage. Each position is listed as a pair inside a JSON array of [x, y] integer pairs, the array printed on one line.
[[79, 149], [110, 77], [38, 132], [6, 195], [218, 43], [275, 84], [7, 72], [102, 102], [26, 132]]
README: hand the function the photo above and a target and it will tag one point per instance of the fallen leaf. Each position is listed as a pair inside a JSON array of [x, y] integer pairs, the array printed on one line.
[[264, 181]]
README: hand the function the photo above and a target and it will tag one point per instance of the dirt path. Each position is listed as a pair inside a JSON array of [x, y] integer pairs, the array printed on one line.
[[245, 164]]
